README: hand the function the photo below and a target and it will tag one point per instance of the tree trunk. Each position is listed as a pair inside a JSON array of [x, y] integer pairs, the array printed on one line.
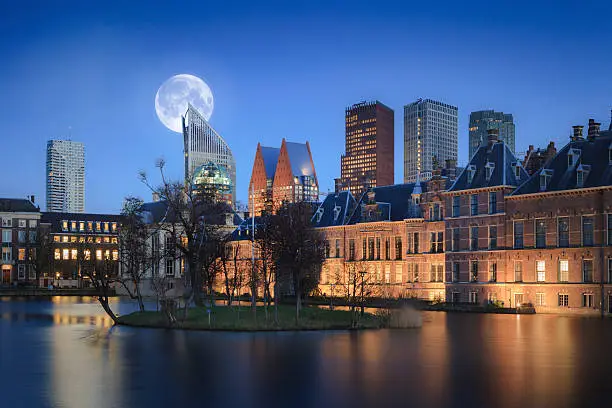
[[104, 303], [139, 296]]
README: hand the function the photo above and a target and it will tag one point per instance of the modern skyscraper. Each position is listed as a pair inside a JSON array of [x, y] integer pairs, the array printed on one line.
[[430, 131], [481, 121], [368, 158], [202, 145], [65, 176]]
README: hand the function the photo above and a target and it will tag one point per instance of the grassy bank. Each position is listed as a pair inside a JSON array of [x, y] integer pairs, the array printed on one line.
[[233, 319]]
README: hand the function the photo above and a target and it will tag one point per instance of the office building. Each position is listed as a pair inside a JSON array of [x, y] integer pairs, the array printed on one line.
[[202, 144], [368, 158], [430, 137], [65, 176], [481, 121]]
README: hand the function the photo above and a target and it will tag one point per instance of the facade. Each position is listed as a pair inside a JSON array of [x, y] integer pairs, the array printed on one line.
[[430, 136], [368, 158], [214, 181], [65, 176], [202, 144], [19, 223], [77, 237], [481, 121], [535, 159], [282, 175]]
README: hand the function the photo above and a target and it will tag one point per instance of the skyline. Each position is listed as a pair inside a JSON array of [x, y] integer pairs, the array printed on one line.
[[99, 75]]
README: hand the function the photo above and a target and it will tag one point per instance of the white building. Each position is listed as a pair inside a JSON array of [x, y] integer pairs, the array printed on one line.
[[65, 176], [202, 144], [430, 130]]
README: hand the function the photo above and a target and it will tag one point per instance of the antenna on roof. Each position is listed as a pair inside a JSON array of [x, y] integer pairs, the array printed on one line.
[[69, 133]]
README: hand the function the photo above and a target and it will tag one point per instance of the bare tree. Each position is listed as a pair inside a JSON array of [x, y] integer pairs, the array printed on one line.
[[41, 252], [298, 250]]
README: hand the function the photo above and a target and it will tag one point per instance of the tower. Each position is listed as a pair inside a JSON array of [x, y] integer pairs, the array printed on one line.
[[481, 121], [65, 176]]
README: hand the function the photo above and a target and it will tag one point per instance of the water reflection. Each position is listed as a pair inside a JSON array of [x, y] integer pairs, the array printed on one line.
[[63, 352]]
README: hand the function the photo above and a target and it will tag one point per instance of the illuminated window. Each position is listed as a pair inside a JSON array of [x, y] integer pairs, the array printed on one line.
[[21, 254], [57, 254], [56, 238], [73, 253], [64, 225], [73, 225], [563, 270], [65, 254], [99, 254], [541, 271], [107, 254], [87, 254], [81, 226], [115, 255]]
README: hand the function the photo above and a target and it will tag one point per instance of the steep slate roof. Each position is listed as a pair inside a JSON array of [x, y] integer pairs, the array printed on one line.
[[503, 173], [394, 203], [594, 153], [270, 158], [158, 211], [17, 205], [299, 157], [334, 210]]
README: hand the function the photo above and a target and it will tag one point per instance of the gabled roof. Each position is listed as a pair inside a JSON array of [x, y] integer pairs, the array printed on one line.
[[334, 210], [500, 159], [390, 203], [17, 205], [593, 153], [300, 159], [270, 158]]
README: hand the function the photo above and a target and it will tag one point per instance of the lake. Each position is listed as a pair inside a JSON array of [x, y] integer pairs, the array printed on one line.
[[64, 352]]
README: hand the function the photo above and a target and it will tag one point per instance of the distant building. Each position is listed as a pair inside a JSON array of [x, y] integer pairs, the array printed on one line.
[[368, 158], [282, 175], [483, 120], [430, 131], [19, 219], [74, 237], [202, 144], [215, 181], [535, 159], [65, 176]]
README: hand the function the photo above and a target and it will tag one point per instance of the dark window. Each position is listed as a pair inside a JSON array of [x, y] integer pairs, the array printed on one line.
[[474, 271], [337, 248], [351, 249], [587, 270], [437, 273], [364, 248], [436, 212], [563, 231], [398, 248], [563, 299], [377, 248], [540, 227], [587, 231], [371, 249], [609, 225], [327, 249], [587, 300], [387, 248], [473, 237], [415, 241], [456, 239], [493, 237], [518, 271], [455, 271], [456, 206], [493, 271], [518, 234], [416, 272], [492, 202], [474, 204], [440, 241]]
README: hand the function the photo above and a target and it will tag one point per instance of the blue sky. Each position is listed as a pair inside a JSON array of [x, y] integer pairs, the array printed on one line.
[[283, 69]]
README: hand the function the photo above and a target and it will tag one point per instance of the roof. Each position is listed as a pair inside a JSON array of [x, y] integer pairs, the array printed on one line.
[[334, 210], [159, 211], [17, 205], [270, 158], [388, 203], [594, 153], [55, 218], [503, 163], [299, 158]]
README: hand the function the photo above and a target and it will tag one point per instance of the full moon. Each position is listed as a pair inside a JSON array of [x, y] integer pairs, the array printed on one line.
[[174, 95]]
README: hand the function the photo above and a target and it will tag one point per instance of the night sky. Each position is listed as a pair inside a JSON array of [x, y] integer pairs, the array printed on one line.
[[282, 70]]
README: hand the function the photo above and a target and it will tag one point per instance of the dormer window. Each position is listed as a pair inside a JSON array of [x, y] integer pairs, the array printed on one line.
[[610, 154], [319, 214], [572, 157], [581, 174], [517, 170], [337, 210], [471, 171], [545, 177], [489, 170]]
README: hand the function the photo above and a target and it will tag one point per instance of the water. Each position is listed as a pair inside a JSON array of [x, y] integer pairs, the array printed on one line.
[[63, 352]]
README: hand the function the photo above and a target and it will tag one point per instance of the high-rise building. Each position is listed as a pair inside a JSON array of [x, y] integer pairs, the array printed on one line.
[[430, 136], [285, 174], [65, 176], [368, 158], [483, 120], [202, 145]]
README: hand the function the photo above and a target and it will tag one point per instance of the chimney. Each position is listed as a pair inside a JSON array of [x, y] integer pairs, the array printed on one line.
[[32, 199], [577, 133], [492, 136], [610, 127], [155, 196], [593, 131]]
